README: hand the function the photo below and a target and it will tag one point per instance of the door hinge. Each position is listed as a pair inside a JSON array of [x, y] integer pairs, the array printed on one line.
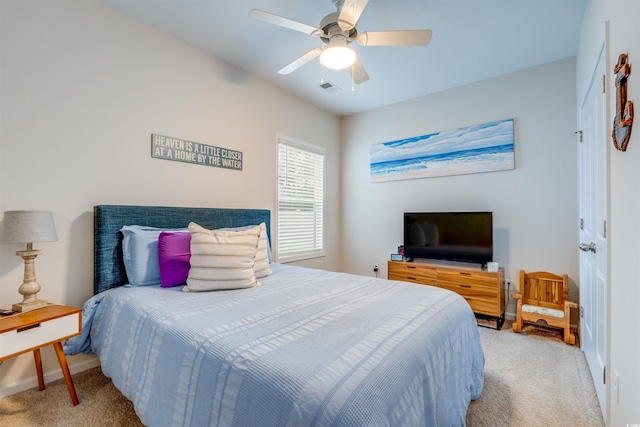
[[579, 133], [581, 312], [604, 84], [604, 375], [581, 223], [604, 229]]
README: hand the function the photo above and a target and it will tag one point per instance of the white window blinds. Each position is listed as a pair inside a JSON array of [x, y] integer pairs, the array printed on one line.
[[300, 213]]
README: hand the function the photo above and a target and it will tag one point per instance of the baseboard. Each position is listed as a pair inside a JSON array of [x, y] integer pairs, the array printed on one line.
[[31, 382]]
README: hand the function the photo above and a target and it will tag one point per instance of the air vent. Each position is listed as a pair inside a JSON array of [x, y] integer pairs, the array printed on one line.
[[329, 87]]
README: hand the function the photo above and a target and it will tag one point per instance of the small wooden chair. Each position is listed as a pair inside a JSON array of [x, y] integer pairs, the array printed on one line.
[[544, 296]]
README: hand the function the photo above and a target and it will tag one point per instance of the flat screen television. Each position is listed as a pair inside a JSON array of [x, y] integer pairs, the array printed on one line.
[[450, 236]]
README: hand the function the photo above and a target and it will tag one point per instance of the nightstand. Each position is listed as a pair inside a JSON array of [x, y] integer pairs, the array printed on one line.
[[35, 329]]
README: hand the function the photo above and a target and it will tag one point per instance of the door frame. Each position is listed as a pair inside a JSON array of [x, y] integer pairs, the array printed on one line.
[[604, 52]]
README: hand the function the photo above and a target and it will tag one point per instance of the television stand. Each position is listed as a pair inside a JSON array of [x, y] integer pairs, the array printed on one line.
[[482, 289]]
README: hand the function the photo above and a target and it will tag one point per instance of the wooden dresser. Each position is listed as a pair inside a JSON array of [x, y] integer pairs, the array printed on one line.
[[483, 290]]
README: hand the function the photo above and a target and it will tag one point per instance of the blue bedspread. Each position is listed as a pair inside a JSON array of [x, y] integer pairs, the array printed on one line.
[[307, 348]]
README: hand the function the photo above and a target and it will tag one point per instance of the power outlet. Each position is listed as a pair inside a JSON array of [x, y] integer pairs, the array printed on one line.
[[508, 284], [375, 267]]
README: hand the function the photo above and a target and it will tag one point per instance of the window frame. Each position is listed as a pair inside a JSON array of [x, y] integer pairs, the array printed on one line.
[[311, 148]]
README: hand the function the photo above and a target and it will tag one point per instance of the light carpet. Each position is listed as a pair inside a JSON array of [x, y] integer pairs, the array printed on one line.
[[534, 379], [530, 380]]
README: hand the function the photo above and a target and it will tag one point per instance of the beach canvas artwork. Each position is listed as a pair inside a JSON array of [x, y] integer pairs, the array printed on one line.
[[473, 149]]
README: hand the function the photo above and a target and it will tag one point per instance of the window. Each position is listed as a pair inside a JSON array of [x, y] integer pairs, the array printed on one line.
[[300, 215]]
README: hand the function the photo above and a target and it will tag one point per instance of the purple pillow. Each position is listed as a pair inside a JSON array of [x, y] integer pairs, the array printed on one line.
[[174, 253]]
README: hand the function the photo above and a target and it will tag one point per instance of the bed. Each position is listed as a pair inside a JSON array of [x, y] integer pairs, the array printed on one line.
[[306, 347]]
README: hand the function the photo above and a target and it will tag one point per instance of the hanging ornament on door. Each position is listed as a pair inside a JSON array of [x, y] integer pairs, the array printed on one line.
[[623, 120]]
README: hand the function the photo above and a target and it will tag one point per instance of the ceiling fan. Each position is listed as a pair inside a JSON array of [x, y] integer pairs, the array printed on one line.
[[337, 30]]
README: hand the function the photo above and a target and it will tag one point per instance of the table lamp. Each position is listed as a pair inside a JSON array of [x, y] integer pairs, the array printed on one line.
[[28, 227]]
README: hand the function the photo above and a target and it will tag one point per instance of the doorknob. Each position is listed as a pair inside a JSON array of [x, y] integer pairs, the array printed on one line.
[[590, 247]]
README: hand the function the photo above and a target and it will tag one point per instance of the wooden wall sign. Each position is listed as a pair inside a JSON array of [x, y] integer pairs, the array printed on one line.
[[179, 150], [623, 120]]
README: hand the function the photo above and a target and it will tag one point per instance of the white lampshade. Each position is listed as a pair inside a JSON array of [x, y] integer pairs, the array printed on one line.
[[28, 227], [338, 55]]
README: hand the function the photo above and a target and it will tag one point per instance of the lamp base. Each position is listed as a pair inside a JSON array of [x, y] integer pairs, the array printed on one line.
[[30, 286], [29, 305]]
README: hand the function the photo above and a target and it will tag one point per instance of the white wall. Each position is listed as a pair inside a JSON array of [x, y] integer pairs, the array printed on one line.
[[624, 228], [534, 205], [83, 88]]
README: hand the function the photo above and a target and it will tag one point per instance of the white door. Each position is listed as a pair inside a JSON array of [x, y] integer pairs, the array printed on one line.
[[593, 218]]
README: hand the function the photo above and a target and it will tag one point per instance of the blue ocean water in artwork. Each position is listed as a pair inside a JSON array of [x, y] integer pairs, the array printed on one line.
[[469, 161], [481, 148]]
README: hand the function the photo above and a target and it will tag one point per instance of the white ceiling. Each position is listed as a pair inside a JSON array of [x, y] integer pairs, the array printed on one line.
[[472, 40]]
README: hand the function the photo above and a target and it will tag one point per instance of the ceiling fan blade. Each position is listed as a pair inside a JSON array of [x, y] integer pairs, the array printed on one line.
[[313, 53], [395, 38], [270, 18], [358, 73], [351, 11]]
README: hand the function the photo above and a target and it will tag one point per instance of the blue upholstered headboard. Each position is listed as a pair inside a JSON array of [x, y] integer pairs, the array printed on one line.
[[108, 268]]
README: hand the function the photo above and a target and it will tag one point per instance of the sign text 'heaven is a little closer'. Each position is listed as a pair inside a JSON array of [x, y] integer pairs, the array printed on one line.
[[179, 150]]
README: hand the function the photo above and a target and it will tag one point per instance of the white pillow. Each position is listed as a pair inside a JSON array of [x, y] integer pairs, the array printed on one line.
[[222, 259], [263, 252], [261, 266]]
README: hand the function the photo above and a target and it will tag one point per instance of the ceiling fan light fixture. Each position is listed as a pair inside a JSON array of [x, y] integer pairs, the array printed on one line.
[[337, 55], [337, 30]]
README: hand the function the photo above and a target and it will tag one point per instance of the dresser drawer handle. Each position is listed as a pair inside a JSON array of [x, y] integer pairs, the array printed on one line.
[[464, 273], [411, 278], [26, 328], [465, 286], [411, 266]]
